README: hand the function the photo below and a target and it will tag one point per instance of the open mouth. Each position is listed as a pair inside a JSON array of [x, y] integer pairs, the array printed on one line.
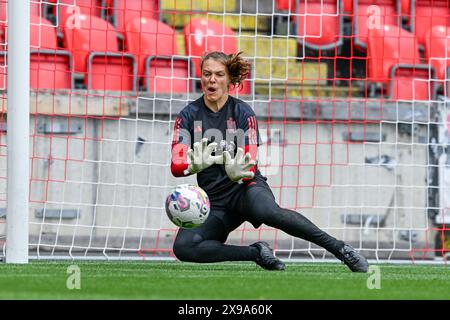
[[212, 90]]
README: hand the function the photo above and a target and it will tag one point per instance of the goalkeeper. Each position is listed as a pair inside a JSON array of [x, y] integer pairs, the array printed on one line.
[[227, 170]]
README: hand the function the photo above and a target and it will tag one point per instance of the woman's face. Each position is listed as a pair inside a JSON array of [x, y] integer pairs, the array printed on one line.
[[215, 80]]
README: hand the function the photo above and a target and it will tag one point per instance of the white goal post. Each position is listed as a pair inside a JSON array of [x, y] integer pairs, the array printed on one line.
[[18, 138]]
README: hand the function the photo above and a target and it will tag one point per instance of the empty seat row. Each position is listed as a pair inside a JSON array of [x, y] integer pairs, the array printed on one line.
[[392, 47], [50, 67], [320, 23], [93, 50], [394, 64]]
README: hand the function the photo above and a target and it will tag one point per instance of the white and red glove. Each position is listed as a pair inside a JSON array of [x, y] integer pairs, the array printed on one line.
[[238, 169], [201, 156]]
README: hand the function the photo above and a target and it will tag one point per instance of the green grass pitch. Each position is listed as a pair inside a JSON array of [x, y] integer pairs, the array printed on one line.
[[242, 281]]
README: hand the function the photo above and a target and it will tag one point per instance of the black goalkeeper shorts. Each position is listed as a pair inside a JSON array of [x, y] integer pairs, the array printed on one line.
[[229, 213]]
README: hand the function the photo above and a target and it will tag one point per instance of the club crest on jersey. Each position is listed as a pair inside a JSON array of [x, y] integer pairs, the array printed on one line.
[[231, 124]]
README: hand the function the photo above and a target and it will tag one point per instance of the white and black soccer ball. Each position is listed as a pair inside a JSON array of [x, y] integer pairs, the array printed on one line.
[[187, 206]]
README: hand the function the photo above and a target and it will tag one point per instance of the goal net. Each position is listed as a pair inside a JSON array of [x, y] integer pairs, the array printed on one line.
[[351, 99]]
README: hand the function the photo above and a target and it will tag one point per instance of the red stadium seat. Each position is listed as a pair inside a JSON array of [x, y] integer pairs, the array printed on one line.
[[142, 38], [50, 68], [202, 35], [111, 71], [411, 83], [94, 46], [437, 49], [319, 24], [42, 33], [394, 62], [369, 14], [84, 34], [285, 5], [126, 10], [168, 74], [426, 14]]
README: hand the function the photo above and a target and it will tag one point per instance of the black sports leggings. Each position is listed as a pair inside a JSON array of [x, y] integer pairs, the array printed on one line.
[[257, 204]]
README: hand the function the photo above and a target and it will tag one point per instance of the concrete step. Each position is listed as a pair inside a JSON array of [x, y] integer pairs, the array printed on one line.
[[288, 90]]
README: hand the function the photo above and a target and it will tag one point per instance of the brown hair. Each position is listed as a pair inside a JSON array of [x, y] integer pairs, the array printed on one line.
[[238, 68]]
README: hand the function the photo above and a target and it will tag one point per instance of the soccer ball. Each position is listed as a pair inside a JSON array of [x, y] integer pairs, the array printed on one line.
[[187, 206]]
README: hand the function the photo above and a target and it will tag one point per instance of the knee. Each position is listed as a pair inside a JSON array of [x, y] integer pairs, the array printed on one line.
[[184, 247], [274, 216], [181, 248], [266, 211]]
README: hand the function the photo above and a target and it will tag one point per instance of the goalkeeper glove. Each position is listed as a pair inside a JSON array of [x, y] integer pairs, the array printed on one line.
[[200, 157], [237, 169]]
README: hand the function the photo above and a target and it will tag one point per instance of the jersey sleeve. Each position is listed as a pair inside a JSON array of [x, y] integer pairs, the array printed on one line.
[[181, 143], [249, 124]]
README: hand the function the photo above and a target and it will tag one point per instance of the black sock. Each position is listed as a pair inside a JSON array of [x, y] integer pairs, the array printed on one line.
[[299, 226], [214, 251]]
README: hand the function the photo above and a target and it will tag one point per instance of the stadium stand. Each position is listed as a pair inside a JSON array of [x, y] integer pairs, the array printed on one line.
[[204, 35], [50, 68], [319, 24], [94, 45], [395, 64], [159, 66], [426, 14]]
